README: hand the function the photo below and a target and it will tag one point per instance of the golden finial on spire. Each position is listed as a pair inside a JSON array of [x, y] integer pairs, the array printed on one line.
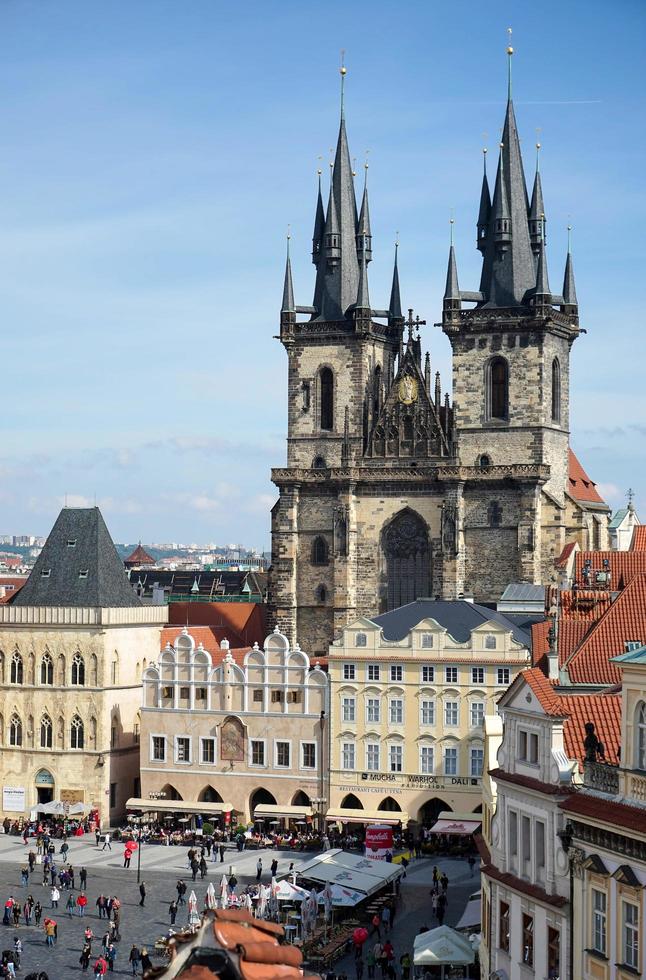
[[354, 166], [451, 223], [343, 72], [510, 52], [396, 239]]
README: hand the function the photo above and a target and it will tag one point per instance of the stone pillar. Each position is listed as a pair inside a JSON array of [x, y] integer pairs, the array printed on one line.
[[284, 552], [529, 534], [345, 558], [453, 552]]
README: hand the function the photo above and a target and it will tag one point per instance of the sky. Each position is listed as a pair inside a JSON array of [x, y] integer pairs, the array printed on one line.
[[152, 155]]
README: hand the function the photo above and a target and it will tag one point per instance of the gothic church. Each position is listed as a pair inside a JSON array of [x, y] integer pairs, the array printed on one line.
[[393, 491]]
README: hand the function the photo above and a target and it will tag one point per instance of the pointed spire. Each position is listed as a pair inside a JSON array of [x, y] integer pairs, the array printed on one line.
[[363, 299], [571, 305], [501, 217], [484, 211], [395, 306], [364, 235], [427, 374], [537, 209], [319, 226], [542, 293], [288, 305], [438, 391], [452, 290]]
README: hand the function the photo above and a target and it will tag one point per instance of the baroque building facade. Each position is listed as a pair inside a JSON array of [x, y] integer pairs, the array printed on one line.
[[392, 489]]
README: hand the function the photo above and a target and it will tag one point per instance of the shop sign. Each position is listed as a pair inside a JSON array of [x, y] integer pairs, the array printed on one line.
[[13, 799], [440, 782], [70, 796]]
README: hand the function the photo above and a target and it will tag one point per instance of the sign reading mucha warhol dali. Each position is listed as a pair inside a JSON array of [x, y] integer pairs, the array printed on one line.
[[232, 740]]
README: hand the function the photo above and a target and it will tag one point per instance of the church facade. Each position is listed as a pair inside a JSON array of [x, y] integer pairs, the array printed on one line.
[[394, 490]]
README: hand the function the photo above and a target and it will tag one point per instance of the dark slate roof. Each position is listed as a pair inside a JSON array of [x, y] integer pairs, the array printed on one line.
[[457, 616], [78, 566], [208, 583]]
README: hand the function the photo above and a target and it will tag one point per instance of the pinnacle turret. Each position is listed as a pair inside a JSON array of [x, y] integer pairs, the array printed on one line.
[[395, 306], [364, 235], [537, 211], [288, 305], [570, 302], [363, 299], [542, 294], [319, 226], [484, 211]]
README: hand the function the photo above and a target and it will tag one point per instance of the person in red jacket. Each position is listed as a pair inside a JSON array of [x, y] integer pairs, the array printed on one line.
[[100, 968], [81, 903]]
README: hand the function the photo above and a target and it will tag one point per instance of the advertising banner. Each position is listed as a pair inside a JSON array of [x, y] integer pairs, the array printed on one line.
[[13, 799], [379, 840]]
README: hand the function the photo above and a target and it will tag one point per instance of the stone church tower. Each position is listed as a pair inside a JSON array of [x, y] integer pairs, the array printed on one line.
[[390, 492]]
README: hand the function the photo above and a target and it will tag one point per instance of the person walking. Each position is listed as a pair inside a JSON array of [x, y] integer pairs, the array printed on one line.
[[194, 868], [146, 962], [106, 842], [274, 868], [70, 904], [172, 911], [64, 849], [376, 925], [38, 913], [88, 936], [83, 878], [28, 909], [405, 963], [142, 892], [385, 919], [50, 932], [127, 856], [102, 905], [55, 895], [233, 881], [100, 968], [24, 876], [97, 834], [111, 957], [221, 850], [31, 860], [17, 951], [134, 958], [259, 870], [370, 963], [81, 904], [358, 966], [16, 910], [203, 868], [70, 874], [444, 882], [84, 958]]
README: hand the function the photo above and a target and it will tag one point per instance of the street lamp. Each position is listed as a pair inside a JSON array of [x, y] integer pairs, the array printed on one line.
[[318, 802]]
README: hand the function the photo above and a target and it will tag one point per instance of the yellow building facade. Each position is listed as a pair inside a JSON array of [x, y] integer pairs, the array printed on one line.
[[407, 714]]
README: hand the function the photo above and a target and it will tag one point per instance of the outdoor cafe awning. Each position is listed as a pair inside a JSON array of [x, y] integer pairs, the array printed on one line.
[[390, 817], [440, 946], [176, 806], [462, 827], [264, 810]]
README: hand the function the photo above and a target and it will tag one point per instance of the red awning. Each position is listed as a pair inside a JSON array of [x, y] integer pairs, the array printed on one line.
[[455, 826]]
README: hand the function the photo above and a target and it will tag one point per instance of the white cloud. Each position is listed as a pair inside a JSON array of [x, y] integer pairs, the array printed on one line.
[[610, 492]]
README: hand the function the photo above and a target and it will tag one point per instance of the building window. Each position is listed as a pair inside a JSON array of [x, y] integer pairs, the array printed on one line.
[[113, 795], [349, 672], [526, 844], [494, 514], [503, 927], [498, 407], [426, 759], [553, 953], [477, 675], [361, 640], [476, 761], [396, 758], [294, 697], [182, 749], [277, 697], [318, 463], [77, 737], [374, 672], [513, 834], [326, 387], [78, 670], [630, 934], [208, 750], [347, 755], [319, 551], [257, 752], [556, 390], [283, 755], [200, 694], [167, 693], [502, 676], [396, 673], [373, 710], [15, 730], [135, 733], [113, 736], [640, 727], [451, 713], [528, 939], [16, 669], [308, 755], [477, 714], [427, 712], [450, 762], [372, 756], [184, 693], [427, 641], [484, 462], [528, 747], [348, 709], [158, 753], [539, 844], [257, 695], [491, 642], [396, 711], [47, 670], [46, 732], [428, 674], [114, 672], [451, 675], [321, 594], [599, 920]]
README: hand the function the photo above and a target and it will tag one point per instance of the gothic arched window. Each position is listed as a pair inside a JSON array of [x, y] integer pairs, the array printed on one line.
[[15, 730], [326, 391], [640, 737], [78, 670], [495, 514], [47, 670], [16, 669], [319, 551], [46, 732], [321, 594], [498, 389], [407, 556], [319, 463], [556, 390], [484, 462], [376, 390], [76, 733]]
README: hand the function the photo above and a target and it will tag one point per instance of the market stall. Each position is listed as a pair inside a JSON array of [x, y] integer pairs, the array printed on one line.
[[440, 948]]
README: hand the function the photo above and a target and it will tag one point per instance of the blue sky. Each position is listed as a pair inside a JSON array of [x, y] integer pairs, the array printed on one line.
[[152, 153]]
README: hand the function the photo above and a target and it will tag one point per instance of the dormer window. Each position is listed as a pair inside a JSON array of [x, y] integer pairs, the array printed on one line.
[[71, 543], [528, 747], [84, 572], [45, 572]]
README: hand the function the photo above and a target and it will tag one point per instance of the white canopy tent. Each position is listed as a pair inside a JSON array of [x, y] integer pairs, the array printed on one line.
[[462, 824], [470, 918], [442, 946], [351, 871]]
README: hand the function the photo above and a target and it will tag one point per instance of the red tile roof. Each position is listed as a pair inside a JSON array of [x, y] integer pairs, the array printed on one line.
[[139, 557], [606, 811], [638, 542], [210, 637], [581, 487], [11, 586], [528, 782], [624, 565], [584, 604], [246, 622], [563, 558]]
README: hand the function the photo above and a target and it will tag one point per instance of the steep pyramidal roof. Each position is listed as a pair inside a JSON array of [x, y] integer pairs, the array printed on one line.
[[452, 290], [395, 304], [78, 566], [139, 557], [287, 305]]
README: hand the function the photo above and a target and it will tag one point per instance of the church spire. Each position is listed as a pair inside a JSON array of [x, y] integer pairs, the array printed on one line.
[[337, 274], [288, 288], [364, 235], [363, 299], [537, 209], [542, 294], [451, 303], [570, 302], [395, 305], [484, 211], [319, 226]]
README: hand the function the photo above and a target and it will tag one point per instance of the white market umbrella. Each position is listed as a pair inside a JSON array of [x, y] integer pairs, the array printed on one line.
[[287, 892], [210, 900], [442, 946], [273, 897], [263, 896], [326, 898], [224, 892], [248, 904], [193, 915]]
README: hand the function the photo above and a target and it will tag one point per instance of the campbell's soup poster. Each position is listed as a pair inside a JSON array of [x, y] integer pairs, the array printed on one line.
[[379, 840]]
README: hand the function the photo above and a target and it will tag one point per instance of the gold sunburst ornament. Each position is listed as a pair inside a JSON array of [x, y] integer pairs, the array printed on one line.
[[407, 389]]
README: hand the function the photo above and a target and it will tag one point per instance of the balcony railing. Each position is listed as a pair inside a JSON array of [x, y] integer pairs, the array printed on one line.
[[601, 776]]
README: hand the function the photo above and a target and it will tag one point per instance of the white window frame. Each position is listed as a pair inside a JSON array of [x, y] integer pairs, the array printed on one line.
[[599, 921], [451, 675], [282, 741], [427, 641], [423, 702], [391, 703], [423, 766], [430, 676], [152, 747], [478, 675], [630, 934], [373, 765], [203, 739], [263, 742], [351, 748], [302, 751], [503, 682], [472, 750], [376, 669], [396, 749], [349, 672], [480, 705], [348, 706], [455, 749], [376, 702], [450, 705], [178, 761], [396, 673]]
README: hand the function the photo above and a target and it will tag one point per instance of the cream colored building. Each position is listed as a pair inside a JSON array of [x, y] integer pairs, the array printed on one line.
[[409, 694], [249, 730], [73, 644]]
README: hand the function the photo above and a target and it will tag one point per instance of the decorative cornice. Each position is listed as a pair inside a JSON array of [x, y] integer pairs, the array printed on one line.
[[424, 474], [79, 616]]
